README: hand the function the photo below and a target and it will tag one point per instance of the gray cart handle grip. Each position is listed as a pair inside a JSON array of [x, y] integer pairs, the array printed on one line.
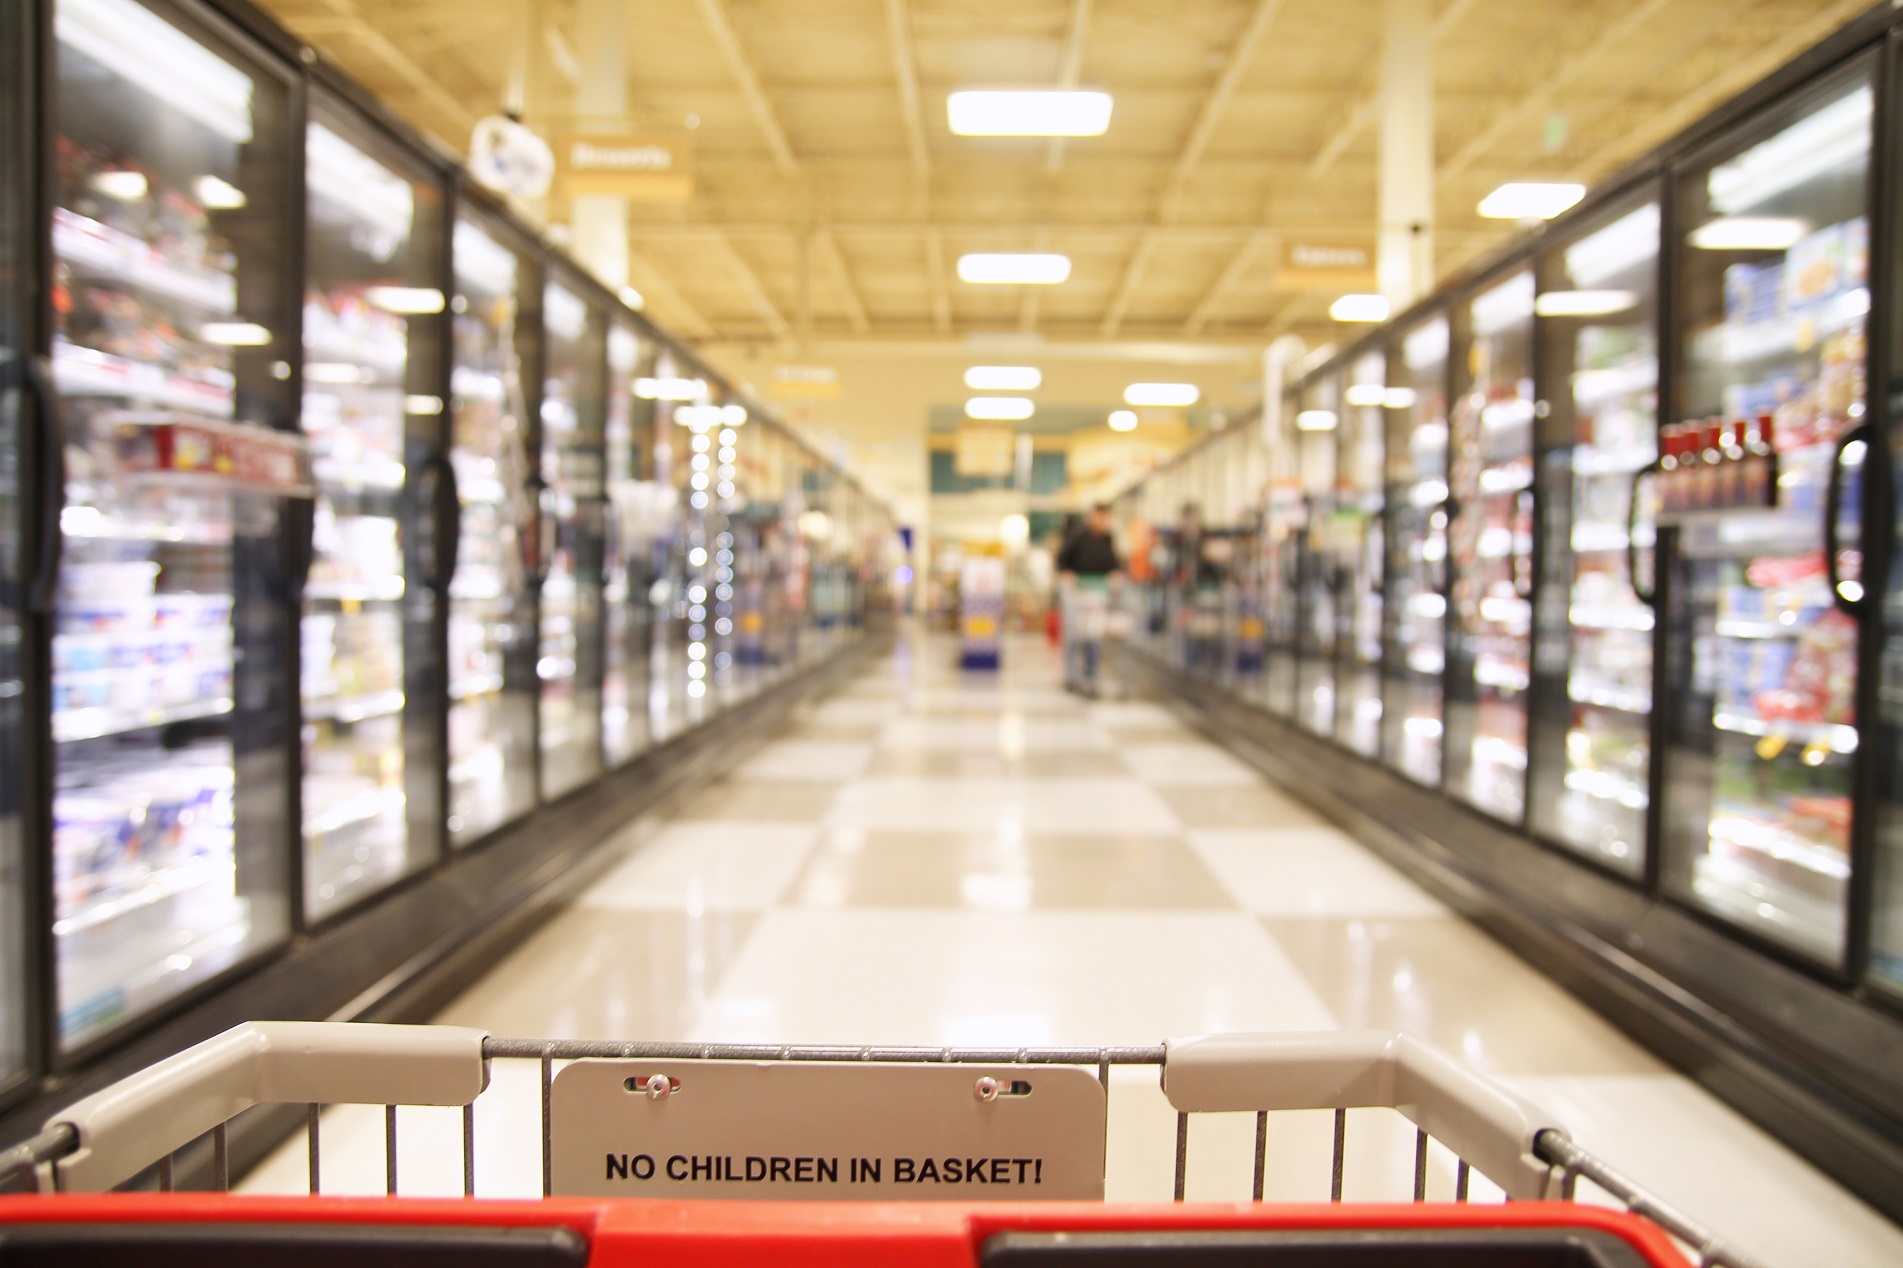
[[140, 1119], [1481, 1121]]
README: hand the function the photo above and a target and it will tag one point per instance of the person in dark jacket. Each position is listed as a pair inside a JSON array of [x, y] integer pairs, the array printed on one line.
[[1085, 564]]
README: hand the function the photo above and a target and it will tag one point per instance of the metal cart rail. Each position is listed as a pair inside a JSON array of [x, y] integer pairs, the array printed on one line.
[[128, 1134]]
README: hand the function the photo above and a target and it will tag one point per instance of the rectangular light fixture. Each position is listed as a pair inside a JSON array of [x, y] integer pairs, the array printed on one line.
[[670, 389], [1176, 394], [1005, 268], [1123, 420], [1399, 398], [1003, 378], [235, 334], [1029, 112], [1530, 200], [632, 298], [1359, 308], [1316, 420], [1584, 303], [1366, 394], [1008, 409], [1749, 233], [406, 300]]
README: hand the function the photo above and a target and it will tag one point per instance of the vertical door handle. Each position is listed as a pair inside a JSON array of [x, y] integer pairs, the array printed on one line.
[[1648, 595], [1858, 604], [43, 590]]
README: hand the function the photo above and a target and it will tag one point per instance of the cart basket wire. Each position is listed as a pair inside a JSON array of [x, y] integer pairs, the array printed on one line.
[[128, 1136]]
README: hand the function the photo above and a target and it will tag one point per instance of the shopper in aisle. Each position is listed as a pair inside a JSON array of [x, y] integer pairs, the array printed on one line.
[[1086, 564]]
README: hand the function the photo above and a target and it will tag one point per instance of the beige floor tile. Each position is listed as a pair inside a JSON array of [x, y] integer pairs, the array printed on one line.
[[780, 802], [1007, 872], [957, 763], [1259, 806], [1444, 980], [830, 730]]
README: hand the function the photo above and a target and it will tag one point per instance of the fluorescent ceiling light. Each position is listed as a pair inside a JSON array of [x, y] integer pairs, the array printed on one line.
[[1177, 394], [1530, 200], [1000, 408], [1359, 308], [670, 389], [216, 194], [126, 186], [1316, 420], [1028, 268], [632, 298], [1837, 136], [1029, 112], [1003, 378], [1749, 233], [1627, 242], [1584, 303], [1399, 398], [1123, 420], [422, 403], [1366, 394], [234, 334], [407, 300], [733, 415]]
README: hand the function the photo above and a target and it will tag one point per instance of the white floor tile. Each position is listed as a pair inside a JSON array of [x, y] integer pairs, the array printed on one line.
[[1132, 713], [1681, 1143], [1195, 765], [1308, 871], [1024, 979], [1010, 733], [706, 865], [990, 805], [822, 761]]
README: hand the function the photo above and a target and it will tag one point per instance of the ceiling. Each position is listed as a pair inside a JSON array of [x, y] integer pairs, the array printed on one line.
[[820, 135]]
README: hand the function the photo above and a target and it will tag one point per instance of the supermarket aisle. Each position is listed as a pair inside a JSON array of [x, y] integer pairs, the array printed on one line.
[[932, 858]]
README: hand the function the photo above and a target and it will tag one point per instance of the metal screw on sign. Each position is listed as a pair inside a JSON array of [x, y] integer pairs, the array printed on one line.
[[988, 1088], [659, 1085]]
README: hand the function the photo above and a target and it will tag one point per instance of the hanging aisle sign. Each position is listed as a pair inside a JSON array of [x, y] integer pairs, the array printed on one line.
[[784, 1130], [1338, 265], [643, 166]]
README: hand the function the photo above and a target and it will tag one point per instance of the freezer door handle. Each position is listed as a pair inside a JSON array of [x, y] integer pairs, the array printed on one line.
[[446, 520], [1848, 593], [43, 590], [1529, 507], [1648, 595]]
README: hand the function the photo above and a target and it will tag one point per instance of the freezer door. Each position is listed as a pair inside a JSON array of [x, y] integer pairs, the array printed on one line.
[[1598, 437], [1414, 618], [1761, 732], [20, 408], [1360, 547], [1490, 547], [370, 665], [1320, 568], [171, 691], [635, 511], [492, 684], [569, 658]]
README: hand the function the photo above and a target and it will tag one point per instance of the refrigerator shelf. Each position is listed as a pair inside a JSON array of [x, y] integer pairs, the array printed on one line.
[[389, 355], [106, 252], [1609, 786], [357, 708], [363, 807], [1636, 618], [1834, 736], [1597, 385], [1605, 463], [159, 885], [1638, 704], [98, 722], [82, 371], [475, 685], [382, 590], [1782, 337], [350, 475]]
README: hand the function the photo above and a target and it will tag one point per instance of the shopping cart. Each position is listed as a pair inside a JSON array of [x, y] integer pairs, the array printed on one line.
[[128, 1135], [1088, 618]]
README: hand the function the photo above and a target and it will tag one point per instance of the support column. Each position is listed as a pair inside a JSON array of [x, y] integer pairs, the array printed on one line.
[[1405, 251], [600, 221]]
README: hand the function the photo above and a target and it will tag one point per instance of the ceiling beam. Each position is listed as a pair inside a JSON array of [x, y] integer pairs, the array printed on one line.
[[1540, 96], [407, 69], [935, 282], [1241, 53], [1657, 125], [1225, 282], [898, 26], [1028, 300], [750, 285], [1225, 233], [1127, 285], [1070, 66], [720, 22], [674, 310], [1358, 112], [842, 280]]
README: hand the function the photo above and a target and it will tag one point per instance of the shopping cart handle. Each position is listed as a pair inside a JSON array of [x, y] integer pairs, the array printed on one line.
[[1483, 1122], [139, 1120]]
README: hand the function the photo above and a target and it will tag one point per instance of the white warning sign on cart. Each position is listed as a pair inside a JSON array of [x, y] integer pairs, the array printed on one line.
[[780, 1130]]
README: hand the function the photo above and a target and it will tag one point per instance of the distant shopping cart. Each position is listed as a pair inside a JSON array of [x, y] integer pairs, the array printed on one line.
[[127, 1137], [1095, 626]]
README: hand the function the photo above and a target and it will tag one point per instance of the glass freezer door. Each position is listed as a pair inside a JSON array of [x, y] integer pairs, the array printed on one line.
[[17, 410], [1319, 570], [1490, 466], [1598, 383], [491, 676], [569, 660], [1772, 296], [170, 687], [368, 663], [1415, 616], [628, 565], [1359, 527]]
